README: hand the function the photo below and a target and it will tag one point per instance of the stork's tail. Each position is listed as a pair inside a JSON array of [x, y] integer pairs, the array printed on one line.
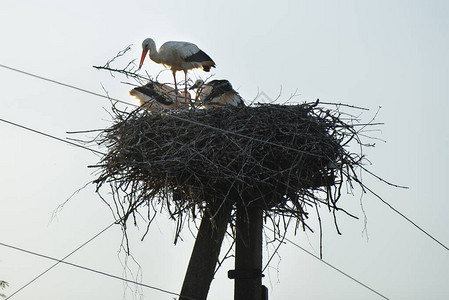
[[206, 68]]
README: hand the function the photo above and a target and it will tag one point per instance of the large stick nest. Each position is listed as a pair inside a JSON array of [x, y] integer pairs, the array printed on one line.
[[284, 158]]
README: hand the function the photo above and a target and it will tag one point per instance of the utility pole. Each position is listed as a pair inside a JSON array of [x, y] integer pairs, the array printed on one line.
[[204, 258], [248, 253]]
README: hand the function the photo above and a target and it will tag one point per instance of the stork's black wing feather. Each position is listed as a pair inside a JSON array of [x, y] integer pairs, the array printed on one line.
[[150, 90], [219, 87], [199, 57]]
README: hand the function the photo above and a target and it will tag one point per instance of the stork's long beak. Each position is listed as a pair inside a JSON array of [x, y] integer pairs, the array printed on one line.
[[144, 53]]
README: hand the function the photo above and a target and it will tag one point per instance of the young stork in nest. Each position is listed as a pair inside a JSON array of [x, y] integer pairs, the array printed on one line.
[[216, 93], [155, 96], [178, 56]]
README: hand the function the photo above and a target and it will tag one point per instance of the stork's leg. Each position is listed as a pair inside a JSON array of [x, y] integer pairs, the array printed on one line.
[[186, 95], [176, 86], [174, 79], [185, 84]]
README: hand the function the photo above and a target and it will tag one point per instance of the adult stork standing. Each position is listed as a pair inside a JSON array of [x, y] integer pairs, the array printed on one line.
[[217, 93], [178, 56]]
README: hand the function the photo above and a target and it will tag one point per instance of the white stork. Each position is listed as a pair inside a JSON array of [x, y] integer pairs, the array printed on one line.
[[155, 96], [178, 56], [216, 93]]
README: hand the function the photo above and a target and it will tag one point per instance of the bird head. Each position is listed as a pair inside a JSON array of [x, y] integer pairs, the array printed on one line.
[[199, 83], [147, 45]]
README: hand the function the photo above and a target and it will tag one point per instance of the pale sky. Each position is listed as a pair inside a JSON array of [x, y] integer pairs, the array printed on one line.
[[366, 53]]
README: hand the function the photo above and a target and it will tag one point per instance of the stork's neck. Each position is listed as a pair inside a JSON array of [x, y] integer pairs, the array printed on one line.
[[154, 54]]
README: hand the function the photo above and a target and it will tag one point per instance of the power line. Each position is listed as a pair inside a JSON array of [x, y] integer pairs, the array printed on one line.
[[61, 83], [91, 270], [51, 136], [406, 218], [59, 261], [329, 265]]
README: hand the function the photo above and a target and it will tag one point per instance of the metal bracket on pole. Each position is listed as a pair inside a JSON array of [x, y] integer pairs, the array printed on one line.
[[245, 274]]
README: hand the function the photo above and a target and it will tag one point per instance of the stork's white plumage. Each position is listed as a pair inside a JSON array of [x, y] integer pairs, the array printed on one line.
[[178, 56], [216, 93], [154, 96]]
